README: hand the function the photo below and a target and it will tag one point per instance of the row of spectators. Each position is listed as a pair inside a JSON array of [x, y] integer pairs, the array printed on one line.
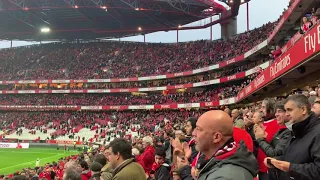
[[155, 83], [121, 59], [168, 97]]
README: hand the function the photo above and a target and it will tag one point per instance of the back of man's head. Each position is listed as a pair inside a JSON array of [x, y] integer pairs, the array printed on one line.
[[71, 174], [100, 158]]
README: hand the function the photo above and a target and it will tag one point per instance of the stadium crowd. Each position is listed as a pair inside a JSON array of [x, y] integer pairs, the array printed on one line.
[[121, 59], [255, 141]]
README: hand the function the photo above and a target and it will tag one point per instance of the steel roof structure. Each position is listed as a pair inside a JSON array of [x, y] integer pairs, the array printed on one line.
[[91, 19]]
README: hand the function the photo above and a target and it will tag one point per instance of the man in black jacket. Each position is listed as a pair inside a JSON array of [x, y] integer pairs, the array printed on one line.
[[301, 159]]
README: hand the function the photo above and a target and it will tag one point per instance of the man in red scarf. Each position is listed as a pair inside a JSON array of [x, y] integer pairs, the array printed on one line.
[[224, 158]]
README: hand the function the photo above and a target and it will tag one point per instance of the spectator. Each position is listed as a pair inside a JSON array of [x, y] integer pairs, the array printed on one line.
[[71, 174], [235, 114], [160, 168], [146, 159], [316, 108], [270, 126], [280, 140], [191, 148], [121, 161], [85, 172], [301, 159], [106, 172], [213, 137], [96, 171], [305, 25]]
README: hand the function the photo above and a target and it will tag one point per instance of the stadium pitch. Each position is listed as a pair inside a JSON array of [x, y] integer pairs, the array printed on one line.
[[12, 160]]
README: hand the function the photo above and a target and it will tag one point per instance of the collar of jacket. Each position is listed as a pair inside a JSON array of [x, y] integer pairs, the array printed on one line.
[[241, 157], [122, 165], [301, 128]]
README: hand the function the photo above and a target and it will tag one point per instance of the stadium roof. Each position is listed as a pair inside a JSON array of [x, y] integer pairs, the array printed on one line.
[[90, 19]]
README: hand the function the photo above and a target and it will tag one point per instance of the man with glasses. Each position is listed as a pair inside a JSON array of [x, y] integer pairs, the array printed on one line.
[[301, 159]]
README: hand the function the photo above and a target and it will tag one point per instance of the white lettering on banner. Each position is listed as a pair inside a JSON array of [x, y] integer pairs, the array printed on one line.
[[10, 82], [165, 106], [114, 107], [179, 86], [310, 42], [178, 74], [10, 92], [278, 66], [258, 81], [231, 61], [14, 145], [152, 89], [248, 89], [241, 95], [231, 77], [208, 104], [188, 105], [124, 79], [124, 90]]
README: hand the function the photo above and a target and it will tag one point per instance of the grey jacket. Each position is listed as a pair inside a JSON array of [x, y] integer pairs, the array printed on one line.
[[240, 166], [278, 143]]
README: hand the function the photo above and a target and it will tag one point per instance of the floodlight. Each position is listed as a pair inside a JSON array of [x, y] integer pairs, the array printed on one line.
[[45, 30]]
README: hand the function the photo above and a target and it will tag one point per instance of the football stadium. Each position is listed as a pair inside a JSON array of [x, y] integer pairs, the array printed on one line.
[[80, 100]]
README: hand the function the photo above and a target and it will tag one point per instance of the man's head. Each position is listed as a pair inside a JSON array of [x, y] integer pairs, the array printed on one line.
[[147, 141], [214, 129], [297, 108], [106, 152], [96, 167], [83, 166], [120, 150], [159, 156], [281, 115], [257, 117], [268, 106], [227, 110], [247, 118], [71, 174], [100, 158], [190, 125], [235, 113], [316, 108]]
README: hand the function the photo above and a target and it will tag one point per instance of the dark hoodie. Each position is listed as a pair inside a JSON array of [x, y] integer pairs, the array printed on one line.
[[163, 172], [241, 165]]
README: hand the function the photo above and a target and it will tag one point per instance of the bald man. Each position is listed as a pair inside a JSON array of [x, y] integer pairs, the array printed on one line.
[[225, 158]]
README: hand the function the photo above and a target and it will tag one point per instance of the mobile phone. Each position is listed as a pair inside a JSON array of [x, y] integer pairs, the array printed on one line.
[[269, 163]]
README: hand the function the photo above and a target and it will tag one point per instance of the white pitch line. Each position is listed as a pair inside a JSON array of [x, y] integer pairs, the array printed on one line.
[[30, 162]]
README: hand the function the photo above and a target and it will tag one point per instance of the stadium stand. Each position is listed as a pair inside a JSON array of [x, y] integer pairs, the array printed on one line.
[[145, 130]]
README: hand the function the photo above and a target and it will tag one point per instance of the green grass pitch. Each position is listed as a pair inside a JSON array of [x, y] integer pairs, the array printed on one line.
[[12, 160]]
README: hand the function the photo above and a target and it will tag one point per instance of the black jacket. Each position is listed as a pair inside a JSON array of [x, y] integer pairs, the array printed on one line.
[[250, 130], [278, 143], [163, 172], [303, 152]]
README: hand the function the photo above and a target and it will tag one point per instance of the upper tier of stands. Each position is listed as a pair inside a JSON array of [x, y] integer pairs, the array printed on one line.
[[121, 59]]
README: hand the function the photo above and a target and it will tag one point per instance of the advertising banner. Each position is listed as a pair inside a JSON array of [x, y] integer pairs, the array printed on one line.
[[14, 145]]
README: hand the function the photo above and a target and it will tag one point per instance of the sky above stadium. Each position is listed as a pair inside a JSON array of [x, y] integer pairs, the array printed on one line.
[[260, 12]]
